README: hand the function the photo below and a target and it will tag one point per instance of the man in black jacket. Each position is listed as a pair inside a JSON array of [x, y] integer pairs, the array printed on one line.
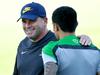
[[28, 58]]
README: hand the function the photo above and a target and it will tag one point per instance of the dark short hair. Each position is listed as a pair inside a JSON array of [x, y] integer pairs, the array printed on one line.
[[66, 18]]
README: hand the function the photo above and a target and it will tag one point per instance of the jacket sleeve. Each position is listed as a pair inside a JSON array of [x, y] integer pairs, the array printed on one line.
[[15, 72]]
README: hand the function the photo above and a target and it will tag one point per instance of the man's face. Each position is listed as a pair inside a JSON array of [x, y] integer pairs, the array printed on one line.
[[33, 29]]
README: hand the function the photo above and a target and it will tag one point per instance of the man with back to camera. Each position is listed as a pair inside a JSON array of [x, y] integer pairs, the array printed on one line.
[[34, 22], [67, 56]]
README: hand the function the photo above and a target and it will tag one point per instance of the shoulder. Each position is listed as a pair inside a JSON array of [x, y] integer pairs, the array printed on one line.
[[48, 49], [50, 45], [94, 47], [51, 36], [25, 43]]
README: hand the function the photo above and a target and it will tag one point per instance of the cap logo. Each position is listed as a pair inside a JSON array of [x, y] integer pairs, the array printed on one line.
[[26, 10]]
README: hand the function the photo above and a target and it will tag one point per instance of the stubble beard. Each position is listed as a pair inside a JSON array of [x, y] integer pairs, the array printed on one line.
[[36, 34]]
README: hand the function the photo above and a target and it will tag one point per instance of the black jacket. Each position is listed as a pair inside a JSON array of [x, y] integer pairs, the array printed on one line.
[[29, 59]]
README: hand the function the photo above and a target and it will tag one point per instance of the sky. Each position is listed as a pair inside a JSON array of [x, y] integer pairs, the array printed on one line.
[[11, 32]]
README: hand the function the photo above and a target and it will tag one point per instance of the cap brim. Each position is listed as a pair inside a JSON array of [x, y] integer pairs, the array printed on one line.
[[30, 17]]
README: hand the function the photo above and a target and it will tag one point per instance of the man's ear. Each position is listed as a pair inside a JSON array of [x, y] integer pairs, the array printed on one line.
[[45, 20], [55, 27]]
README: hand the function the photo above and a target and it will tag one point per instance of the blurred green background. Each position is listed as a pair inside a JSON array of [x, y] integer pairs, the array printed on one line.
[[11, 32]]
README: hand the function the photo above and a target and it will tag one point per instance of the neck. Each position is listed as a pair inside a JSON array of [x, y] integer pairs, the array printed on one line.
[[40, 36], [63, 34]]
